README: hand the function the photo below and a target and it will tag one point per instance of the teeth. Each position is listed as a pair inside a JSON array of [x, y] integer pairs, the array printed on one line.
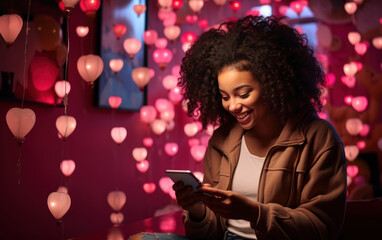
[[241, 116]]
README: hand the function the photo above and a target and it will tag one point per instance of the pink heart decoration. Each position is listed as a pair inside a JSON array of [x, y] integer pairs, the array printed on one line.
[[158, 126], [67, 167], [350, 69], [82, 31], [148, 142], [348, 99], [118, 134], [191, 19], [361, 145], [116, 200], [169, 82], [352, 170], [203, 23], [191, 129], [20, 121], [149, 187], [365, 130], [354, 37], [349, 81], [58, 204], [66, 125], [171, 148], [139, 153], [350, 7], [193, 142], [62, 88], [197, 152], [351, 152], [358, 64], [116, 218], [353, 126], [361, 48], [165, 184], [359, 103], [142, 166], [330, 79]]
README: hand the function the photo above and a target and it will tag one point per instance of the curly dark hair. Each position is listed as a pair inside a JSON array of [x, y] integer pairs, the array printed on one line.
[[276, 55]]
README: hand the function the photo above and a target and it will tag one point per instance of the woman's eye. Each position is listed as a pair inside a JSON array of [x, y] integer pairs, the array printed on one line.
[[244, 95], [225, 98]]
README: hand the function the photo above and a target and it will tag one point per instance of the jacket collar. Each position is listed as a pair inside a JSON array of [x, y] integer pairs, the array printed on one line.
[[292, 133]]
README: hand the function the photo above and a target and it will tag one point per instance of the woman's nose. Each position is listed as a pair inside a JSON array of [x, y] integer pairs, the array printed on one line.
[[234, 106]]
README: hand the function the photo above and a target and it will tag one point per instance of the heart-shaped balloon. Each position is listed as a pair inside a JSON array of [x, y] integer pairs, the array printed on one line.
[[354, 37], [353, 126], [149, 187], [191, 19], [67, 167], [359, 103], [116, 218], [351, 152], [158, 126], [165, 184], [116, 200], [349, 81], [350, 7], [361, 48], [193, 142], [142, 166], [114, 101], [139, 153], [10, 27], [348, 99], [361, 145], [352, 170], [66, 125], [350, 69], [365, 130], [197, 152], [62, 88], [82, 31], [148, 142], [118, 134], [171, 148], [139, 9], [20, 121], [58, 204], [191, 129]]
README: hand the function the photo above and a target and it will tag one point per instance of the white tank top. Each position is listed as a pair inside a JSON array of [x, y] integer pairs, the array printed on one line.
[[245, 181]]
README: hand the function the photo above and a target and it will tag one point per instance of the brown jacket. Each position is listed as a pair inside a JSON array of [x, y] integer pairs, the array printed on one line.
[[302, 188]]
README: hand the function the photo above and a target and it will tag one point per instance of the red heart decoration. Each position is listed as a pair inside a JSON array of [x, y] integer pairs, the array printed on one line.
[[149, 187]]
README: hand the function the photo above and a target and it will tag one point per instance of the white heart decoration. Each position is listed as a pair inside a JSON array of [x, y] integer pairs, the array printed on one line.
[[66, 125], [116, 218], [351, 152], [20, 121], [354, 126], [139, 153], [58, 204]]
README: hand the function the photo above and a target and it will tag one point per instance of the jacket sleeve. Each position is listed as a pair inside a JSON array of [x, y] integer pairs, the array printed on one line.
[[209, 227], [322, 205]]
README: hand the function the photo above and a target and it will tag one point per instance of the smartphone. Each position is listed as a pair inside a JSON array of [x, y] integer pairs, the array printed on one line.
[[186, 176]]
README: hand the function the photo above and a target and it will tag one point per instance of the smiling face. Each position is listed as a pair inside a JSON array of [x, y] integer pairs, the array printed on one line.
[[241, 96]]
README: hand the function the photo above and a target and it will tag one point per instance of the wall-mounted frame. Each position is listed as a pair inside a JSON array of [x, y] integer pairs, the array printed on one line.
[[121, 84]]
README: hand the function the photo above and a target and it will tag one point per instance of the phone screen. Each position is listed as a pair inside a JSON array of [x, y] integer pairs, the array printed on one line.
[[186, 176]]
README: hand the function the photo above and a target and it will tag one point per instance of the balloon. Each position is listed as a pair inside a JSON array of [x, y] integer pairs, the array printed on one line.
[[141, 76], [118, 134], [90, 67], [171, 148], [197, 152], [66, 125], [67, 167], [351, 152], [148, 114], [353, 126], [139, 153], [191, 129], [58, 204], [82, 31], [359, 103], [132, 46], [114, 101], [143, 166], [116, 200], [148, 142], [116, 218], [165, 183], [48, 30], [10, 27], [20, 121], [149, 187], [352, 170], [139, 9], [62, 88], [116, 65], [158, 126]]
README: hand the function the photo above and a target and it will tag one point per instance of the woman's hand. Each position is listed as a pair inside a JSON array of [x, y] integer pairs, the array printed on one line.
[[189, 201], [229, 204]]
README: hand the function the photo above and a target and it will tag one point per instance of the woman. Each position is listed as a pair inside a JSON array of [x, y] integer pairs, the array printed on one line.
[[275, 170]]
